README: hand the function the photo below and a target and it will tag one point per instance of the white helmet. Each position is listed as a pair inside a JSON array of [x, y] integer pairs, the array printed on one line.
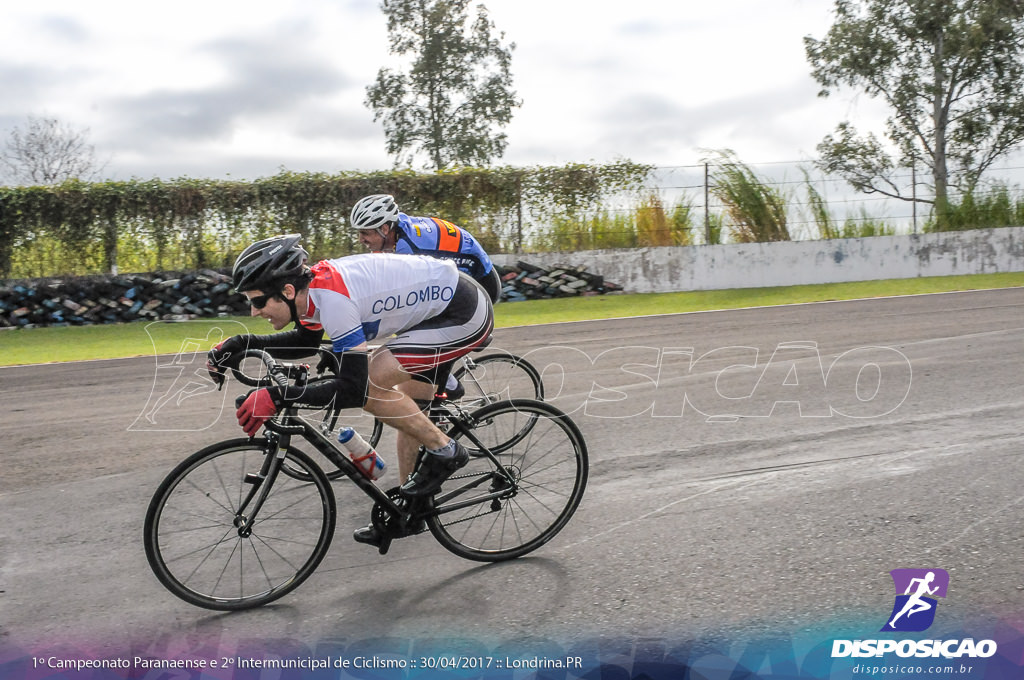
[[373, 212]]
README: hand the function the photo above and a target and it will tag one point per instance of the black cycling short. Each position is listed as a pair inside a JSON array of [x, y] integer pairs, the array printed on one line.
[[428, 349]]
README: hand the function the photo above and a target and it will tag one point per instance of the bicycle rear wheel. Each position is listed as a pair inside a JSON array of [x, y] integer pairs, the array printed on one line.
[[542, 450], [192, 537], [497, 377]]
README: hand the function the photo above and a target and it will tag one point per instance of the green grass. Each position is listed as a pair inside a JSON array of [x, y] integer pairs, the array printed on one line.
[[41, 345]]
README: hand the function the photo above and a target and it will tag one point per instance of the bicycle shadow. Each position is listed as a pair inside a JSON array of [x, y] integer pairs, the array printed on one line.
[[483, 601], [470, 599]]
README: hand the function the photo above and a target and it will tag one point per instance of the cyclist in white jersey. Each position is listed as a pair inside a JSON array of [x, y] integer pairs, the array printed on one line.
[[374, 298], [425, 312]]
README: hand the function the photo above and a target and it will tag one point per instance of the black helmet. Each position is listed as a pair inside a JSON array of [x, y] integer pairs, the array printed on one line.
[[269, 261]]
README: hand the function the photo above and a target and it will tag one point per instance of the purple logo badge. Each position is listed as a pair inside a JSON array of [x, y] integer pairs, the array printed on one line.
[[916, 590]]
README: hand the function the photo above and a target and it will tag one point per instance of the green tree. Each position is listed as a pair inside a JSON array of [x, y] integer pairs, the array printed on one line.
[[457, 92], [950, 71]]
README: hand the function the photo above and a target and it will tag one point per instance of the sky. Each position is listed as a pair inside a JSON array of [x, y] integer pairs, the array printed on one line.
[[225, 89]]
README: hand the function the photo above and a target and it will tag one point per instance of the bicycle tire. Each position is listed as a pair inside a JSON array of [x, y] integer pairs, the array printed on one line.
[[335, 473], [191, 538], [506, 376], [503, 376], [550, 466]]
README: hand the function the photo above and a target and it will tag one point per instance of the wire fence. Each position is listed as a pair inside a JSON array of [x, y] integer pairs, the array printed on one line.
[[72, 230], [691, 189]]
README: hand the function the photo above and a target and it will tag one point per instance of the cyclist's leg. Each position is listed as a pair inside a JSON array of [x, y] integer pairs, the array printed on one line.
[[397, 408], [390, 399], [426, 352]]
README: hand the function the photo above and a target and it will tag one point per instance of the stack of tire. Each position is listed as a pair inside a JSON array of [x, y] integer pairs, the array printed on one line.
[[178, 296], [116, 299], [525, 281]]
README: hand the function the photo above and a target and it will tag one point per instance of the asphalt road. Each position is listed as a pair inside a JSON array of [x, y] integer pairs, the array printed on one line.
[[753, 472]]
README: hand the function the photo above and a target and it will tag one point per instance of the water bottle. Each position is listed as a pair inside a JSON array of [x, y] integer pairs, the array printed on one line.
[[362, 454]]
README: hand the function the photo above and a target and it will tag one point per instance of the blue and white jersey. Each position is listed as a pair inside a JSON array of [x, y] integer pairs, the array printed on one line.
[[441, 239]]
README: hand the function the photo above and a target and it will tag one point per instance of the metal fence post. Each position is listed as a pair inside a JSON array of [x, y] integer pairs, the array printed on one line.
[[707, 207], [913, 196], [519, 212]]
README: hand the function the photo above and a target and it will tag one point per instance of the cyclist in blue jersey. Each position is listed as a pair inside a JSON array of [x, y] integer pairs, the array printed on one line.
[[382, 227]]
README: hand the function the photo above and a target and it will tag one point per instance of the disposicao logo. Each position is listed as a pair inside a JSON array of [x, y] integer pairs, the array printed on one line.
[[916, 590], [914, 611]]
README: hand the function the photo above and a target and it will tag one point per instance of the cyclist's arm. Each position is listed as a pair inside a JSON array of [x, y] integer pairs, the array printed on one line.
[[294, 344], [339, 320], [345, 389]]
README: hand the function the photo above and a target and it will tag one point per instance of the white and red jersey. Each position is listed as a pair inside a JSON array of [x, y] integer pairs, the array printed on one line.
[[363, 297]]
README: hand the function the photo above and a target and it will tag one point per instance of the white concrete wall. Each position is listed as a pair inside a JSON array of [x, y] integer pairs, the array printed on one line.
[[756, 265]]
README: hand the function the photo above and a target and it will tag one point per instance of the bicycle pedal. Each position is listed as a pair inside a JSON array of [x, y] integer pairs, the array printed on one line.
[[253, 478], [385, 545]]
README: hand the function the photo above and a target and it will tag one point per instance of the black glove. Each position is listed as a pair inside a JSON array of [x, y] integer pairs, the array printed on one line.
[[329, 363], [226, 354]]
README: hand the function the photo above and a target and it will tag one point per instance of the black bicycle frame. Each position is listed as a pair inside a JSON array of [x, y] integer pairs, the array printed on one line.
[[321, 443], [279, 435], [262, 482], [461, 428]]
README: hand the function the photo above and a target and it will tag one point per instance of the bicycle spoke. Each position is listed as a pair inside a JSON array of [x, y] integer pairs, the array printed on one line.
[[213, 500], [211, 547], [227, 563], [271, 548], [254, 557], [543, 474]]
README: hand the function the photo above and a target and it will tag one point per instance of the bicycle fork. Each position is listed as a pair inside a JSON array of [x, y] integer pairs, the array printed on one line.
[[261, 482]]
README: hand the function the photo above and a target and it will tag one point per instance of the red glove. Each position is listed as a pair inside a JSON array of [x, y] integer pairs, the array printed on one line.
[[257, 408]]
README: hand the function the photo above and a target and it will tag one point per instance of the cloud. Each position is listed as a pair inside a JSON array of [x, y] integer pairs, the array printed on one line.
[[200, 88], [64, 29], [262, 77], [643, 124], [27, 85]]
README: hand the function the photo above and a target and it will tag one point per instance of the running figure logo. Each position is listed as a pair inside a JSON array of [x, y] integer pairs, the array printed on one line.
[[916, 590]]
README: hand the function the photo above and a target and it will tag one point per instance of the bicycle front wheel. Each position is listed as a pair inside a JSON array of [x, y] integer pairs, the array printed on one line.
[[482, 515], [497, 377], [195, 536]]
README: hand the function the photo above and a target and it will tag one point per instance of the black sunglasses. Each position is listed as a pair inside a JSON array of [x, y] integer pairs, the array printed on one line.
[[260, 301]]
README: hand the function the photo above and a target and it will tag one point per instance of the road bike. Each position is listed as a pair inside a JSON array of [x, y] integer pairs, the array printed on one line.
[[492, 377], [230, 528]]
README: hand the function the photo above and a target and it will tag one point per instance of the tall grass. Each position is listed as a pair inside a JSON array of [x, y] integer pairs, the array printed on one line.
[[865, 226], [982, 210], [647, 224], [821, 216], [755, 210], [713, 233], [656, 227], [852, 227]]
